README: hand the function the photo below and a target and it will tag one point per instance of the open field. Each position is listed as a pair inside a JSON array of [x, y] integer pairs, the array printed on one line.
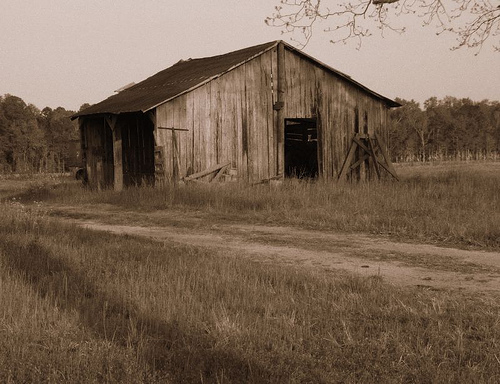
[[454, 204], [261, 284]]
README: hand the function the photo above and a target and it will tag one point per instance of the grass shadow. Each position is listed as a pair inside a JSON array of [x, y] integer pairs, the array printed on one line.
[[170, 349]]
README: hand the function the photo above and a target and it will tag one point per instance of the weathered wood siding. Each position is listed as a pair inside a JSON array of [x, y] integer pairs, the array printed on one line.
[[137, 148], [231, 119], [97, 150], [341, 109]]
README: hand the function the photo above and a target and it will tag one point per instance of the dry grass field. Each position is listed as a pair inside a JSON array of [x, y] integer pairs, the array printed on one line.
[[79, 305], [452, 203]]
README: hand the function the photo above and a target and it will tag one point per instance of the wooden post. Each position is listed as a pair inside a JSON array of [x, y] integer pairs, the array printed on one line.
[[159, 169], [280, 134], [175, 158], [117, 153], [117, 158], [374, 156], [83, 145], [367, 151], [347, 161], [386, 157]]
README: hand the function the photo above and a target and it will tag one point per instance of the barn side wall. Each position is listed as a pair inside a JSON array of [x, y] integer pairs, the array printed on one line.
[[228, 120], [313, 92], [231, 119]]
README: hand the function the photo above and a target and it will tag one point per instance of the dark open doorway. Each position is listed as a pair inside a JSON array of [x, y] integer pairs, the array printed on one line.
[[301, 148], [138, 149]]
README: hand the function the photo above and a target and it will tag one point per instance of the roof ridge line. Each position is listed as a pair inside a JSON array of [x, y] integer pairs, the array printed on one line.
[[275, 43]]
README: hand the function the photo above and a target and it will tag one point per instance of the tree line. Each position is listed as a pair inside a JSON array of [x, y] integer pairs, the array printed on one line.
[[445, 129], [33, 140]]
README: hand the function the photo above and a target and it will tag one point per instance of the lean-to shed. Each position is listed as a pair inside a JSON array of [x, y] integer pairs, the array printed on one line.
[[263, 112]]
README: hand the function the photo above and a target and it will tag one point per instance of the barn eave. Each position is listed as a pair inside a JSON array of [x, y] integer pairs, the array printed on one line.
[[137, 98]]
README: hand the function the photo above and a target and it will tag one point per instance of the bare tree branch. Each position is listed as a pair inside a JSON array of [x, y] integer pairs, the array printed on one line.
[[473, 21]]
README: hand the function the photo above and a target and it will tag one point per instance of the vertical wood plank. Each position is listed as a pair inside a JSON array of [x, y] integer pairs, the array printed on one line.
[[280, 131], [83, 142], [244, 127], [169, 145], [267, 117], [117, 154], [253, 132], [183, 136], [190, 124]]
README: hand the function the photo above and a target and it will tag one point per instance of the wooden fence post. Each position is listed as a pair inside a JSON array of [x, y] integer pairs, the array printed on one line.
[[117, 153]]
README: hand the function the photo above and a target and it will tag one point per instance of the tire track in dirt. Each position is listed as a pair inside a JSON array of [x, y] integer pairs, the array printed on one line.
[[435, 267]]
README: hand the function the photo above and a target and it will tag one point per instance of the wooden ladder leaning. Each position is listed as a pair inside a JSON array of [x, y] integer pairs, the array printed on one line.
[[367, 147]]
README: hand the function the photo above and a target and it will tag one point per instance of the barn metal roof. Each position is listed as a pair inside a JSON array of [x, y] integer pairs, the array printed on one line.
[[189, 74]]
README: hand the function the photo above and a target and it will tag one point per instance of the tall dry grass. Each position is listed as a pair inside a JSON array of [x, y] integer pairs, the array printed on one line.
[[457, 204], [83, 306]]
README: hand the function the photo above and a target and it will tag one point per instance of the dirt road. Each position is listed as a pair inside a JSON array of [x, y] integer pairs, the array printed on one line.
[[398, 263]]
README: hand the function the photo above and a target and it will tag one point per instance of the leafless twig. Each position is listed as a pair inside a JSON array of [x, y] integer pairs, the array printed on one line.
[[473, 21]]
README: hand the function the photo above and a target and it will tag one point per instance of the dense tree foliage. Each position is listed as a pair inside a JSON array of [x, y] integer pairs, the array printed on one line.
[[35, 141], [447, 129]]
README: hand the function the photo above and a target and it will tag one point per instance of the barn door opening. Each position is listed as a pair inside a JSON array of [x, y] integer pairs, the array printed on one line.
[[301, 148], [138, 149]]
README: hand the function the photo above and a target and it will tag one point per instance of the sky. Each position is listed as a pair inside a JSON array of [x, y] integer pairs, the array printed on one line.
[[70, 52]]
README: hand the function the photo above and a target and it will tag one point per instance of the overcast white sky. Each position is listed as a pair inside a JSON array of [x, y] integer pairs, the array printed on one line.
[[69, 52]]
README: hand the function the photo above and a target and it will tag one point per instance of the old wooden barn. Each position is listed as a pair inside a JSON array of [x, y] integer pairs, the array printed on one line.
[[263, 112]]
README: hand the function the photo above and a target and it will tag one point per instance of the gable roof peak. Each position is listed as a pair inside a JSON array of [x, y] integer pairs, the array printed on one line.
[[171, 82], [186, 75]]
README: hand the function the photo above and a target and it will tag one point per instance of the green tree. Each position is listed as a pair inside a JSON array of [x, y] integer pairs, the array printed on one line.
[[409, 131], [59, 132], [449, 128], [22, 140], [5, 146], [84, 106]]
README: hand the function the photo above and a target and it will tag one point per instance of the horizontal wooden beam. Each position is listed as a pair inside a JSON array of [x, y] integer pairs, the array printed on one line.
[[360, 161], [173, 129]]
